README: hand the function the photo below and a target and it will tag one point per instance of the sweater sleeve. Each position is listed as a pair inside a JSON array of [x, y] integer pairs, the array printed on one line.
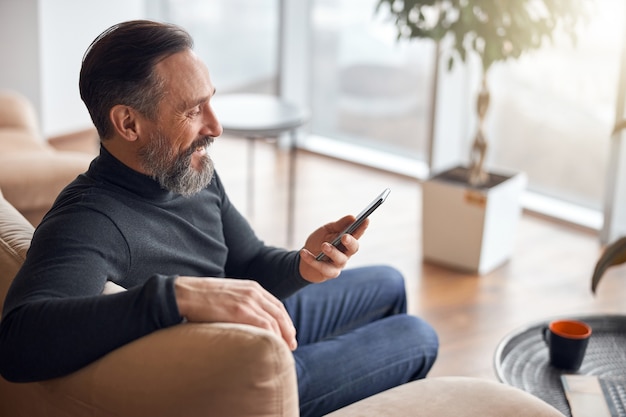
[[276, 269], [55, 319]]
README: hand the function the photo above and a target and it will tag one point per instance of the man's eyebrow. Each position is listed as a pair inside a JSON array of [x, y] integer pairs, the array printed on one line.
[[190, 104], [200, 100]]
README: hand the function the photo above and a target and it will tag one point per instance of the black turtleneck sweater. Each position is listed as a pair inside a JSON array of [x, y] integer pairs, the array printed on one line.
[[115, 224]]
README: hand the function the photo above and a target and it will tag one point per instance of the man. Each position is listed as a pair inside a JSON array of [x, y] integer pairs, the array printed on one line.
[[151, 215]]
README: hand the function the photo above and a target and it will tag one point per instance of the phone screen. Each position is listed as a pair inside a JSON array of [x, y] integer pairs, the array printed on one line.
[[359, 219]]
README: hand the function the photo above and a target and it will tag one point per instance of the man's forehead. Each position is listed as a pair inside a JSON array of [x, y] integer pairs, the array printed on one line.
[[186, 79]]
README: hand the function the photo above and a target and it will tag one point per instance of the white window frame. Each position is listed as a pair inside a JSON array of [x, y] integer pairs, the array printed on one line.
[[615, 191]]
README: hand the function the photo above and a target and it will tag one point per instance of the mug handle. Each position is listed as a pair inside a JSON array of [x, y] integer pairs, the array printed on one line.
[[545, 332]]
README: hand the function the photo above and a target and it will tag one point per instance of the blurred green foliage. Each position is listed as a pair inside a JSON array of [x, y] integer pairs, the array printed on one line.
[[496, 30]]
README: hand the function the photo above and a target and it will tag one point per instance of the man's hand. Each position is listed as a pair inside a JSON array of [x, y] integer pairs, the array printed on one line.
[[318, 271], [233, 301]]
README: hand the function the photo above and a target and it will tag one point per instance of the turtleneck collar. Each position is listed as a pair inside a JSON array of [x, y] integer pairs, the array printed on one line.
[[106, 168]]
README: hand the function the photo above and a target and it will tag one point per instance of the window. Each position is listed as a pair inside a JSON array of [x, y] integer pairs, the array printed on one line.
[[238, 39], [369, 89], [552, 111]]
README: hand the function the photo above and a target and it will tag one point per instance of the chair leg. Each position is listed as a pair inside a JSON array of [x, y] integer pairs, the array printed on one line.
[[291, 185]]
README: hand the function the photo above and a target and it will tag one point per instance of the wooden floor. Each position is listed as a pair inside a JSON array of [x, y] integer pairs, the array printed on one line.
[[548, 275]]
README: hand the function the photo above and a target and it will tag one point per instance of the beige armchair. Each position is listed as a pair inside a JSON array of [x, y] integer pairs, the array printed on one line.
[[229, 370], [32, 172]]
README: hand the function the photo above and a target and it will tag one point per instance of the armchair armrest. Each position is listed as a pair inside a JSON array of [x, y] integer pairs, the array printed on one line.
[[187, 370]]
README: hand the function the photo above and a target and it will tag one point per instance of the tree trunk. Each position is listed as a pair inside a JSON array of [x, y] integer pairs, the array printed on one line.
[[478, 176]]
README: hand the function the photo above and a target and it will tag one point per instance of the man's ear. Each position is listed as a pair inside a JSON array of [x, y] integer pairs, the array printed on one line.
[[125, 121]]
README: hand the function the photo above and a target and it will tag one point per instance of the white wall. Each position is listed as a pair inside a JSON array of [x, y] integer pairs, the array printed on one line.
[[19, 48], [42, 45]]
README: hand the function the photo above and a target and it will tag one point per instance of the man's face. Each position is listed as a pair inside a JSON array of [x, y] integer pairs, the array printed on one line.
[[175, 153]]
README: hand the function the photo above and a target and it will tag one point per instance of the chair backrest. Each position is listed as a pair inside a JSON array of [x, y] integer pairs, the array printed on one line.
[[19, 128], [17, 112], [15, 236]]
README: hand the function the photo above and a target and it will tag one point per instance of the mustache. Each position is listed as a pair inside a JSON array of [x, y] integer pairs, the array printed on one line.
[[201, 142]]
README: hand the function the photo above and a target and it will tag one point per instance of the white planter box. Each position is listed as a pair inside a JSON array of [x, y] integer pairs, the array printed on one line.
[[467, 228]]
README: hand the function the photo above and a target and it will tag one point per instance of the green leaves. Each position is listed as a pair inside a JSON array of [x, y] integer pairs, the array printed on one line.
[[494, 29]]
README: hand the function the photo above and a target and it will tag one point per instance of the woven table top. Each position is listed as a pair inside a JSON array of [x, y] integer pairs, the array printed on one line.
[[522, 360]]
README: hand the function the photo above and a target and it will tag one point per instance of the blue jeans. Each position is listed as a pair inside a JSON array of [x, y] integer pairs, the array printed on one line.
[[355, 339]]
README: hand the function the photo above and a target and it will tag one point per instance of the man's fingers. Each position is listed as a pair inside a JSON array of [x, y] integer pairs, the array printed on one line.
[[233, 301], [278, 318], [260, 308], [361, 229]]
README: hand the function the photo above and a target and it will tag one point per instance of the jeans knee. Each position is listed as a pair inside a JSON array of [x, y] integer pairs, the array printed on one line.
[[419, 342], [390, 272], [393, 278], [424, 335], [390, 282], [394, 282]]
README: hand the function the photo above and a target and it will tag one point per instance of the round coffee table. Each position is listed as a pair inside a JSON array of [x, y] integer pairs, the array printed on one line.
[[521, 359]]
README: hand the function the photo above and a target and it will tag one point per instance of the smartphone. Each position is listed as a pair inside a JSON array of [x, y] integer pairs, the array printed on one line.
[[359, 219]]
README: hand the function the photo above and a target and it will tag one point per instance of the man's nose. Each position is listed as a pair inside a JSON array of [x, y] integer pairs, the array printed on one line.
[[211, 125]]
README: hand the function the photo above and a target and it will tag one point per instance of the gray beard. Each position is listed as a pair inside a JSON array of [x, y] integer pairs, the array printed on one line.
[[174, 172]]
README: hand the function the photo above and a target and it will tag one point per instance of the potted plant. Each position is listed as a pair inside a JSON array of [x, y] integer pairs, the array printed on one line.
[[493, 30]]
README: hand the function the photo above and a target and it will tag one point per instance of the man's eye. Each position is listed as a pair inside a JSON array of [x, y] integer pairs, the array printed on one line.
[[195, 112]]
